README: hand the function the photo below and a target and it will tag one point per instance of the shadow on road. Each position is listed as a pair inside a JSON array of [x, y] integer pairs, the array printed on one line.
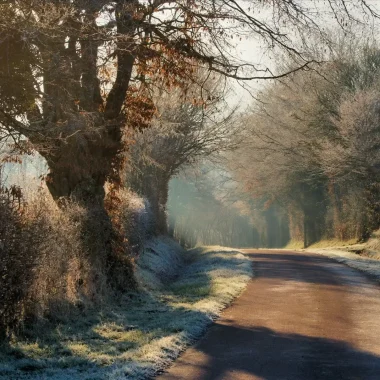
[[297, 320], [276, 356], [291, 266]]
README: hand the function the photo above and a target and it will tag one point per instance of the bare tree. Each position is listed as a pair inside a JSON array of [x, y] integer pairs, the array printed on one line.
[[66, 68], [312, 146], [183, 133]]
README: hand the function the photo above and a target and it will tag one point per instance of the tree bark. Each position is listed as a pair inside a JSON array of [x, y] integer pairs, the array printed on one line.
[[153, 184]]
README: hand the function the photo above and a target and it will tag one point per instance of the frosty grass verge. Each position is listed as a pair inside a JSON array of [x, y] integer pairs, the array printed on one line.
[[183, 292], [362, 263]]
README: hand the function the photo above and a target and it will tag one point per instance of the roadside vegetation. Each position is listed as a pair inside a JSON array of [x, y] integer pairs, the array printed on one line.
[[294, 244], [356, 256], [180, 294]]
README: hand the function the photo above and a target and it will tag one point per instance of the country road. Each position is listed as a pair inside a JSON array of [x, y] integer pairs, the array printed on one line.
[[303, 316]]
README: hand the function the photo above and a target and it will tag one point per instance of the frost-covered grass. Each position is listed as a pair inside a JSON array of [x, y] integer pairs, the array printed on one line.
[[364, 257], [365, 264], [181, 293]]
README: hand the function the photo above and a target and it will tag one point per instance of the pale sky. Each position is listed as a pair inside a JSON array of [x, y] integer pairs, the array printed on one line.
[[252, 51]]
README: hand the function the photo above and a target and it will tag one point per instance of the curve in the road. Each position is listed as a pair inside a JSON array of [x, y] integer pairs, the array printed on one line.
[[303, 317]]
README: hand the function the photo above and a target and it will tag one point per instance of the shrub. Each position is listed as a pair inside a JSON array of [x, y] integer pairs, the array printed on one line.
[[18, 257], [66, 275], [47, 265]]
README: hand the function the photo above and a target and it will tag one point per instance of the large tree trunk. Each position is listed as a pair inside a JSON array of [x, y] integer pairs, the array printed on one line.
[[88, 151], [80, 165], [83, 126], [75, 124], [155, 189], [79, 169]]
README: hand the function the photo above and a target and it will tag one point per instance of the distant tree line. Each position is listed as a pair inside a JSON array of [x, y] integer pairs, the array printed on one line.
[[199, 216], [312, 147]]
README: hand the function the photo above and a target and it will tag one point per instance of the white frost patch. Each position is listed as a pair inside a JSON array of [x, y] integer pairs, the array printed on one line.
[[161, 261]]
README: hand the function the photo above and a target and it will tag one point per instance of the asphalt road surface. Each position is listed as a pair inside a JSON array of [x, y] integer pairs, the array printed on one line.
[[303, 316]]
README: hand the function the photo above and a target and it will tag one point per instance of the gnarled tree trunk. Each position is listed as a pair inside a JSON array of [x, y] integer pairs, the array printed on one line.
[[82, 138]]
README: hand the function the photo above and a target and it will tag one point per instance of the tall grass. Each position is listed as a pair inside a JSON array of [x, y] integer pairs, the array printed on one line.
[[46, 270]]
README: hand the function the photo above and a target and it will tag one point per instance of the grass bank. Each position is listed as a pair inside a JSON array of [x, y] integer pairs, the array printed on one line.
[[326, 243], [361, 256], [181, 294]]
